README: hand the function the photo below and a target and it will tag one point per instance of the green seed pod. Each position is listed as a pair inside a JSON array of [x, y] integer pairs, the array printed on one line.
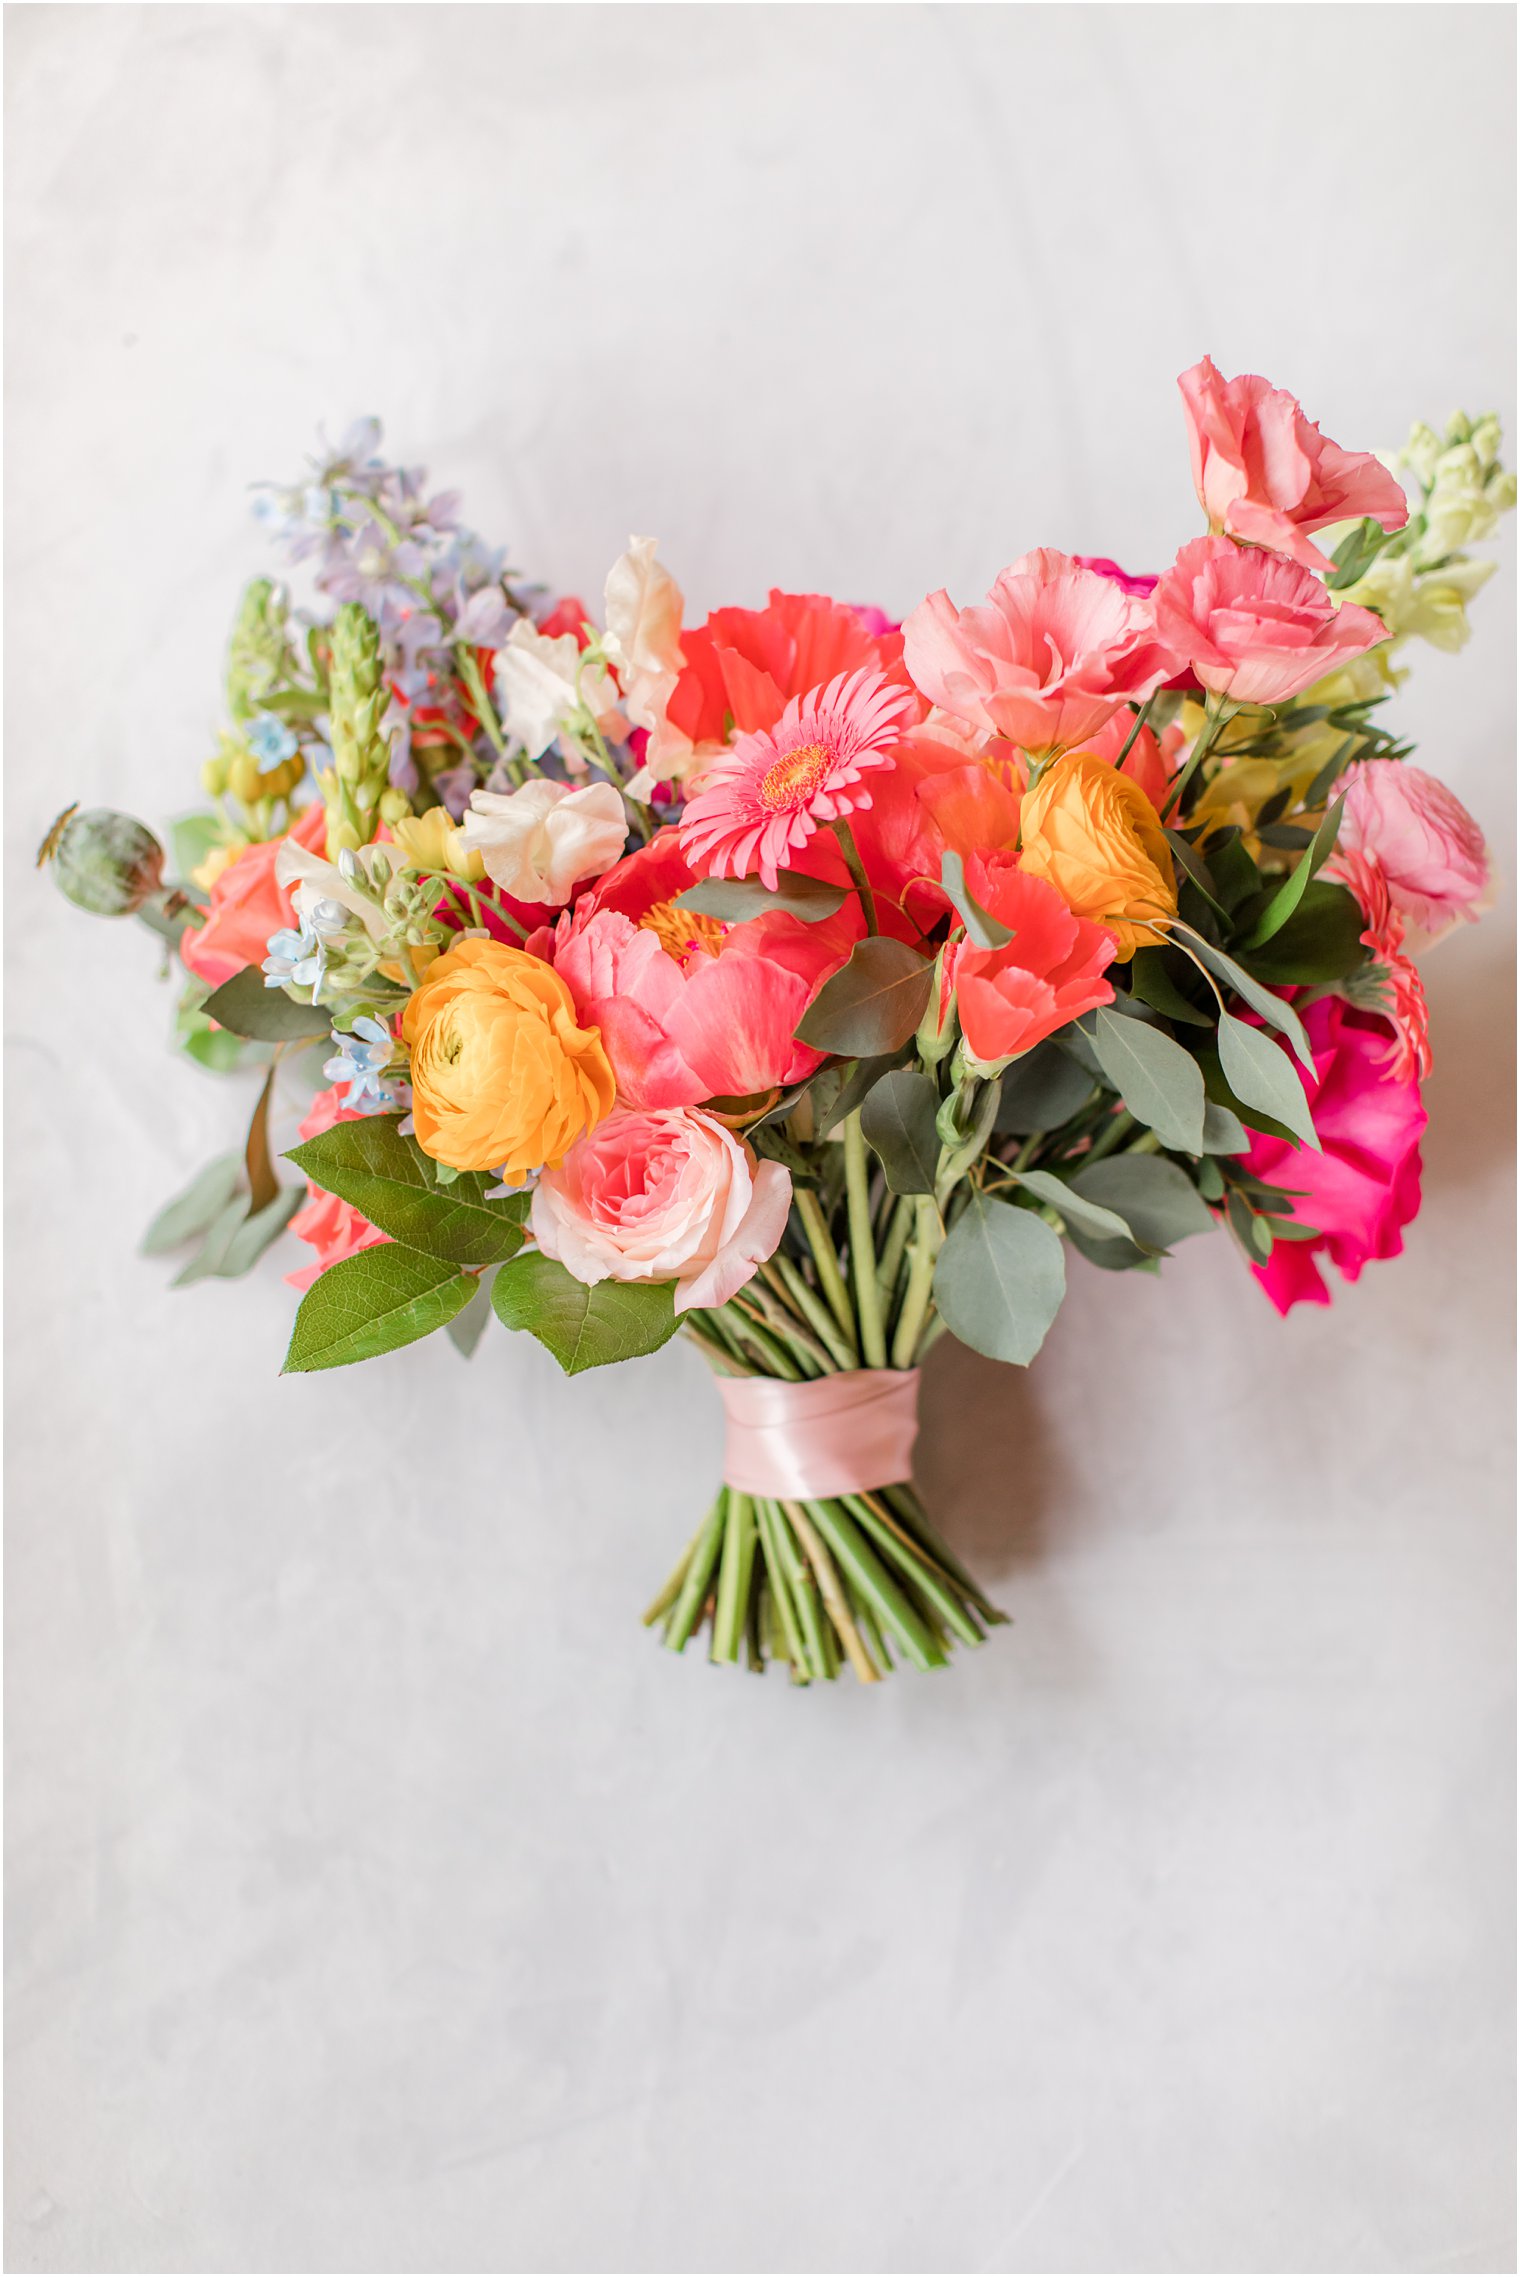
[[105, 862]]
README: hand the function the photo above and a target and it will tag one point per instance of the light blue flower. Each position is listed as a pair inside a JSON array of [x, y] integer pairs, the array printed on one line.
[[270, 740], [298, 958], [360, 1063]]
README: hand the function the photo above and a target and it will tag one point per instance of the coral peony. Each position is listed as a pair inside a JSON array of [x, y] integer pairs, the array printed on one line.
[[1094, 835], [1011, 998], [248, 903], [1364, 1187], [333, 1228], [1050, 656], [767, 797], [1428, 847], [539, 842], [1265, 474], [503, 1078], [1254, 626], [666, 1196]]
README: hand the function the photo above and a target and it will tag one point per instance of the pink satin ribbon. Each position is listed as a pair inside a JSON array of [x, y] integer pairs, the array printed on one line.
[[837, 1435]]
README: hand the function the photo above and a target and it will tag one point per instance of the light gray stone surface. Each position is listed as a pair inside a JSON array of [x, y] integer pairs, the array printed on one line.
[[381, 1898]]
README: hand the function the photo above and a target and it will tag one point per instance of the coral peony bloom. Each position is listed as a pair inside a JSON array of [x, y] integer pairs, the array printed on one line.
[[1266, 475], [502, 1076], [1011, 998], [665, 1196], [333, 1228], [1427, 845], [768, 796], [690, 1009], [539, 842], [248, 903], [1094, 835], [1050, 656], [1364, 1187], [642, 609], [1254, 626]]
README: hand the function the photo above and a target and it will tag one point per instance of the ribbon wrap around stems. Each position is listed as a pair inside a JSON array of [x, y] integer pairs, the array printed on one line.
[[804, 1442]]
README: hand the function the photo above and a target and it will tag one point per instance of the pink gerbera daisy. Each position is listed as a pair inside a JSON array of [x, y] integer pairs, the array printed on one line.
[[769, 794]]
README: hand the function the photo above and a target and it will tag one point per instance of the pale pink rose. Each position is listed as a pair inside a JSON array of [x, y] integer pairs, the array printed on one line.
[[643, 607], [538, 843], [1265, 474], [1045, 661], [1255, 626], [667, 1194], [1427, 845]]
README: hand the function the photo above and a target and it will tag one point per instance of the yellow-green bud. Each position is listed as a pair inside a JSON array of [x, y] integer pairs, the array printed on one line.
[[214, 776], [243, 775], [395, 806]]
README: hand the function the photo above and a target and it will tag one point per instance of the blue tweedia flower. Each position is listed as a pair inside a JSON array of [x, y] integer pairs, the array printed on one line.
[[270, 740], [360, 1063], [295, 957]]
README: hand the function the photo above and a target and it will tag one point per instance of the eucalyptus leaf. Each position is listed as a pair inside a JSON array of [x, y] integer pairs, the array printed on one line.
[[1158, 1081], [735, 899], [1223, 1133], [848, 1094], [873, 1004], [1042, 1090], [1275, 1010], [584, 1328], [466, 1328], [268, 1015], [1291, 892], [193, 1211], [257, 1231], [1075, 1207], [1154, 984], [1156, 1199], [1262, 1075], [983, 930], [1000, 1279], [390, 1181], [374, 1302], [897, 1117]]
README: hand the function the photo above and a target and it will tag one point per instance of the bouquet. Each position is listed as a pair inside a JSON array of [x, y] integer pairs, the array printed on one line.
[[805, 983]]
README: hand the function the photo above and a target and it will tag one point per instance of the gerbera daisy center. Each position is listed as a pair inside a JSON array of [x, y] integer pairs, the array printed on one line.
[[792, 779]]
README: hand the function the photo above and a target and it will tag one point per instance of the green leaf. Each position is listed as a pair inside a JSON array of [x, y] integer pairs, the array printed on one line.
[[1274, 1010], [1291, 892], [390, 1181], [371, 1303], [873, 1004], [982, 929], [1220, 1094], [1154, 985], [897, 1117], [1042, 1090], [237, 1238], [1157, 1080], [1156, 1200], [191, 839], [1321, 941], [1000, 1279], [1192, 863], [735, 899], [1223, 1132], [584, 1328], [194, 1210], [248, 1008], [1262, 1075], [848, 1094], [1075, 1207], [466, 1328], [1235, 875]]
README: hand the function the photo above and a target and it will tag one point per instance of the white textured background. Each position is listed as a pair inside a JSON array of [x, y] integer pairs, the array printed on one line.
[[381, 1897]]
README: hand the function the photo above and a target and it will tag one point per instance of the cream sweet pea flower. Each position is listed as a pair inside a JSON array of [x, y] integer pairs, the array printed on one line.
[[537, 843], [536, 681], [643, 605]]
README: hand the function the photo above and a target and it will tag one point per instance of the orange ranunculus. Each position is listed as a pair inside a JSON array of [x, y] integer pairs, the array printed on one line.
[[502, 1076], [247, 905], [1093, 834]]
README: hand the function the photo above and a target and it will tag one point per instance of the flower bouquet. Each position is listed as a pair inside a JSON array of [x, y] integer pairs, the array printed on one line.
[[803, 982]]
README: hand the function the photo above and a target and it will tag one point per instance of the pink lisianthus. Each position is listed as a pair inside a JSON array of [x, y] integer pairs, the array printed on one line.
[[671, 1195], [762, 801], [1364, 1187], [1046, 661], [1428, 847], [691, 1009], [333, 1228], [1266, 475], [1255, 626], [1011, 998]]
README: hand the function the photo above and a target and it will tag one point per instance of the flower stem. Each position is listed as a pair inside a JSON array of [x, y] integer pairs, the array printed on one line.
[[734, 1577], [693, 1594], [857, 870], [826, 1258], [873, 1343], [924, 1256]]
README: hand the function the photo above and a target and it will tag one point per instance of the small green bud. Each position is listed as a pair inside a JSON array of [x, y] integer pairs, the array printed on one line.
[[214, 776], [1488, 438], [105, 862], [1459, 428], [395, 806], [934, 1038], [244, 779]]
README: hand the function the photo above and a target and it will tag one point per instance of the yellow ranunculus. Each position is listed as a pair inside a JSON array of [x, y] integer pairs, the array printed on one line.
[[1093, 834], [435, 843], [503, 1077]]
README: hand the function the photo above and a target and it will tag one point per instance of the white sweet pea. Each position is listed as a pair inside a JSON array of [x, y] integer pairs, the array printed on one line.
[[536, 688], [539, 842], [643, 639]]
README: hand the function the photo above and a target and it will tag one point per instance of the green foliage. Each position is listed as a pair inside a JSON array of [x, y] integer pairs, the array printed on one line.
[[999, 1280], [1291, 892], [583, 1328], [1320, 941], [1074, 1207], [248, 1008], [897, 1117], [195, 1209], [983, 930], [1158, 1081], [735, 899], [371, 1303], [1263, 1076], [390, 1181], [1042, 1090], [872, 1004], [1156, 1199], [237, 1238]]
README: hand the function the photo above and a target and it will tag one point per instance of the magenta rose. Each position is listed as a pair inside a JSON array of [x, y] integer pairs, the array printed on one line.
[[1364, 1188], [1254, 626], [1431, 852]]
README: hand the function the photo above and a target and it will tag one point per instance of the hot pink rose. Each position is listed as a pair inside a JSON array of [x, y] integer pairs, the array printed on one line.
[[1365, 1186], [671, 1195], [248, 904], [334, 1229], [1265, 474], [1053, 653], [1052, 970], [1254, 625], [1430, 850]]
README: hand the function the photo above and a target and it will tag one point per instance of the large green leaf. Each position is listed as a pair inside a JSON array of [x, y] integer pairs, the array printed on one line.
[[1000, 1279], [1156, 1199], [1291, 892], [1274, 1009], [390, 1181], [734, 899], [374, 1302], [1157, 1080], [1263, 1076], [237, 1238], [584, 1328], [872, 1004], [1076, 1208], [1042, 1090], [1321, 941], [194, 1210], [268, 1015], [898, 1119], [1155, 985]]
